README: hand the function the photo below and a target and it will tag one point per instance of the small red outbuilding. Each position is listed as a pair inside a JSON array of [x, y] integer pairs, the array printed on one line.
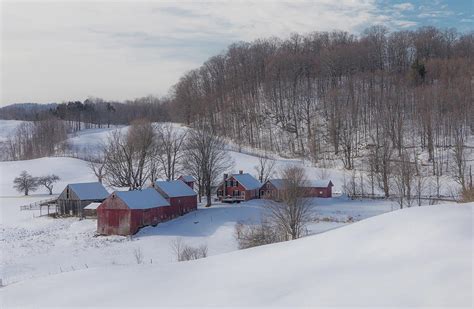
[[319, 188], [188, 179], [275, 188], [125, 212]]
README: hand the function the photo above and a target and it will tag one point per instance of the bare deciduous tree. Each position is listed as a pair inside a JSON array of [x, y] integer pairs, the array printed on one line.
[[48, 182], [127, 156], [293, 213], [404, 178], [170, 144], [265, 168], [25, 183], [138, 255], [97, 165], [184, 252], [206, 158], [459, 162], [254, 235]]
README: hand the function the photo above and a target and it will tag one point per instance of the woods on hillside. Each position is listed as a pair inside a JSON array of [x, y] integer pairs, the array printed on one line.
[[375, 102], [372, 100]]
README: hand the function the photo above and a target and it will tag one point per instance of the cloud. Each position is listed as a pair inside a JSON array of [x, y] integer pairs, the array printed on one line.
[[54, 51], [406, 6]]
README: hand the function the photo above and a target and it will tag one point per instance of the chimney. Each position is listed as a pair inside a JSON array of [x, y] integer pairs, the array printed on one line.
[[241, 172], [225, 176]]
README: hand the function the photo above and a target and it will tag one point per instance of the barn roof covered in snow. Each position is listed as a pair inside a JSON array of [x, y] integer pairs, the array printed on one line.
[[89, 190], [174, 188], [278, 183], [318, 183], [142, 199], [312, 183], [187, 178], [247, 181], [92, 206]]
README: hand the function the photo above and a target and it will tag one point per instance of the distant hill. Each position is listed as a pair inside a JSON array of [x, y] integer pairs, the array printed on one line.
[[25, 111]]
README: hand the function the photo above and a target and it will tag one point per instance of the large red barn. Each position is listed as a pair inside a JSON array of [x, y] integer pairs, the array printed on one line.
[[181, 197], [125, 212], [238, 187]]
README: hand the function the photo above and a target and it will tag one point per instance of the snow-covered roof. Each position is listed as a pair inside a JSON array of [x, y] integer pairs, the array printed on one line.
[[174, 188], [278, 183], [247, 181], [142, 199], [92, 206], [318, 183], [187, 178], [312, 183], [89, 190]]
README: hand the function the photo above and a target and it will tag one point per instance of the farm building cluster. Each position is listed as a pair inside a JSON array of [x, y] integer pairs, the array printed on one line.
[[243, 187], [125, 212]]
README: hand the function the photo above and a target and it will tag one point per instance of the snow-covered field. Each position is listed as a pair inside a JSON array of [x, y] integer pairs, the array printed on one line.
[[413, 257], [40, 254]]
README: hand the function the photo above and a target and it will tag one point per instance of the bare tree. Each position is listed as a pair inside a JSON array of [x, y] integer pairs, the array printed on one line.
[[420, 187], [97, 165], [138, 255], [127, 156], [184, 252], [459, 163], [265, 168], [170, 146], [293, 213], [404, 177], [253, 235], [48, 182], [25, 183], [205, 154]]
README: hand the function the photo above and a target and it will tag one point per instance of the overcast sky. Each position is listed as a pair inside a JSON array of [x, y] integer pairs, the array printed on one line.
[[72, 50]]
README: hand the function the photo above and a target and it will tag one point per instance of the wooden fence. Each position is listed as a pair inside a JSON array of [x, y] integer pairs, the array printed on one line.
[[413, 198], [38, 205]]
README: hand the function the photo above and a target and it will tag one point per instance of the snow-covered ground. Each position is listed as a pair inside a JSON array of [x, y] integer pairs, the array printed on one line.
[[50, 252], [412, 257]]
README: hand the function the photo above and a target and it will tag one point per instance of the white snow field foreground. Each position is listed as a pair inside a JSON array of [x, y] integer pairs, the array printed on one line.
[[420, 256]]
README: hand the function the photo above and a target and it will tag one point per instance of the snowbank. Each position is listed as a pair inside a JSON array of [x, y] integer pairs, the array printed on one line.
[[413, 257]]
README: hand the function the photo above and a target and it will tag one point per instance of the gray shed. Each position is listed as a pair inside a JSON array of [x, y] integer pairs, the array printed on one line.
[[76, 196]]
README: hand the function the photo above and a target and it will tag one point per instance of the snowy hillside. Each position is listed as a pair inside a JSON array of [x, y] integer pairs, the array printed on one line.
[[39, 248], [413, 257], [43, 246]]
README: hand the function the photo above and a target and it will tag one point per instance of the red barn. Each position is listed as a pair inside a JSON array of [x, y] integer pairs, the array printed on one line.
[[125, 212], [181, 197], [188, 179], [319, 188], [238, 187], [274, 188]]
